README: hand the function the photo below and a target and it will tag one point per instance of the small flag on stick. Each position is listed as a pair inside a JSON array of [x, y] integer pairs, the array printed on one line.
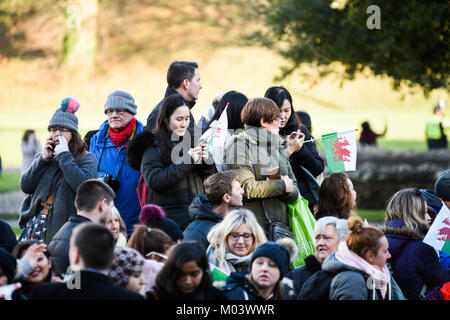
[[438, 236], [340, 150]]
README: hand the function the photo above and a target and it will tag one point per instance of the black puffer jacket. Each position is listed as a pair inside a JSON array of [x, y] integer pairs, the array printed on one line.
[[239, 287], [172, 186], [60, 244], [308, 157], [203, 220]]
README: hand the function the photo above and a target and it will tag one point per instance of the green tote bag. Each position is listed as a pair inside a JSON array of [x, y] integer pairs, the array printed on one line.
[[302, 223]]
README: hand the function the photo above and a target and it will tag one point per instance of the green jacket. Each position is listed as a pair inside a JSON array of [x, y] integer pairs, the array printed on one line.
[[251, 154]]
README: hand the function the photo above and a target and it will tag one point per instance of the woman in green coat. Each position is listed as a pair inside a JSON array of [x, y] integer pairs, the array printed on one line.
[[262, 166]]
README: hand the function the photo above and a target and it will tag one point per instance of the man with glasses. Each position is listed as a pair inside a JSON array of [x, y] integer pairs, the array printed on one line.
[[109, 145]]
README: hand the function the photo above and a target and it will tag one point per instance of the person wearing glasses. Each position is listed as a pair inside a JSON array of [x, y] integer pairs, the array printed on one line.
[[109, 145], [233, 240], [262, 165], [52, 180]]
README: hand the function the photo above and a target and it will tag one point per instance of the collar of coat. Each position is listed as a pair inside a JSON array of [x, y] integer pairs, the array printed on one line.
[[398, 228], [256, 136]]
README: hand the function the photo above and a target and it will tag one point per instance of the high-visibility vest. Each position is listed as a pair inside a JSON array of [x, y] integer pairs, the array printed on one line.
[[433, 129]]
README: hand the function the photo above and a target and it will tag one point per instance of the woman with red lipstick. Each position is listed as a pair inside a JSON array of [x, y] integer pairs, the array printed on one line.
[[42, 268]]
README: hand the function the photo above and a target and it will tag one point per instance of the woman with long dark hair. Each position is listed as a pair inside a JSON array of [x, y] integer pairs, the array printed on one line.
[[52, 180], [172, 166], [301, 155], [42, 266], [337, 197], [235, 102], [185, 276]]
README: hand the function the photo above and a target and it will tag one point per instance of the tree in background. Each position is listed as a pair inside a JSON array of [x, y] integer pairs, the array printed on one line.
[[411, 46], [80, 38]]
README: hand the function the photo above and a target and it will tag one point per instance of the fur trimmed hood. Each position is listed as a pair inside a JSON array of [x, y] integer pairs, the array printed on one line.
[[137, 148]]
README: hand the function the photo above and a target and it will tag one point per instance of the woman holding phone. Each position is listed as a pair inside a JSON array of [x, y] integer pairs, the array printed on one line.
[[53, 178], [256, 155], [301, 155], [173, 167]]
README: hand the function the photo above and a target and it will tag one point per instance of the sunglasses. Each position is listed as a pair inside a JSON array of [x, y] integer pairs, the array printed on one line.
[[160, 255]]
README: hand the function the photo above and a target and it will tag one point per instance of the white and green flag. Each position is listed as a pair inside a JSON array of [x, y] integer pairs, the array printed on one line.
[[340, 151]]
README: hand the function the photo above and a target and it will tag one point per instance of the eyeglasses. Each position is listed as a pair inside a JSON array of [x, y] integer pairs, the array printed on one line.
[[117, 111], [235, 236], [160, 255], [62, 130]]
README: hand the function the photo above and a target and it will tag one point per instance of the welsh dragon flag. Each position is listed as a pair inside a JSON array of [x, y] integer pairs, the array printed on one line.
[[216, 137], [340, 151], [438, 236]]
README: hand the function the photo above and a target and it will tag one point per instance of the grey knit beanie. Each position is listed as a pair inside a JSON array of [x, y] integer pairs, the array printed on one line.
[[65, 116], [120, 100]]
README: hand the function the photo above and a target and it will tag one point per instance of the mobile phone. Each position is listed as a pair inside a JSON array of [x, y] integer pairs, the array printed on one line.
[[274, 173], [294, 135]]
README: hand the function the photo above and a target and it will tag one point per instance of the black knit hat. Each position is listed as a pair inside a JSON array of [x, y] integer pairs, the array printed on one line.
[[442, 186], [275, 251], [8, 264]]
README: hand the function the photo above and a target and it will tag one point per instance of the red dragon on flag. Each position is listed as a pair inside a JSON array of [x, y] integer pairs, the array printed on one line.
[[445, 231], [342, 153]]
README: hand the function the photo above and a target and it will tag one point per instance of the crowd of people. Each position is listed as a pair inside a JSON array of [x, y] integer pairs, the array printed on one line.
[[157, 211]]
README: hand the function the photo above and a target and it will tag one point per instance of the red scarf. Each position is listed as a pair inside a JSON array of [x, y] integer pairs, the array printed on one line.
[[119, 138]]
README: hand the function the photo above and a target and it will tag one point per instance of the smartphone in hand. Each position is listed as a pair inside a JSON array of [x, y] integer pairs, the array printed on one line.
[[274, 173]]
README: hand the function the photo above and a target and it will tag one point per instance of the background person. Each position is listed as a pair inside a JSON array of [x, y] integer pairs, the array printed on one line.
[[30, 148]]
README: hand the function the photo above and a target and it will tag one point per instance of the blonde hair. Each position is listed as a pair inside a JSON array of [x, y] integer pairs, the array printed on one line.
[[409, 206], [218, 235], [122, 225]]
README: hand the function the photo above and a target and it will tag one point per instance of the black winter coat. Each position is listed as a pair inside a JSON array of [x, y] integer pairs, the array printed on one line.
[[308, 157], [239, 287], [172, 186], [93, 286], [153, 116], [60, 244], [203, 219], [301, 274]]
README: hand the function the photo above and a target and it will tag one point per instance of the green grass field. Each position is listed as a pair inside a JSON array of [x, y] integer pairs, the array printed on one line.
[[9, 181]]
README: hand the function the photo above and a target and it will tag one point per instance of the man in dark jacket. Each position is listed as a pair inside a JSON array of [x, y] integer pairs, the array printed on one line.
[[182, 77], [223, 194], [328, 233], [91, 252], [94, 202]]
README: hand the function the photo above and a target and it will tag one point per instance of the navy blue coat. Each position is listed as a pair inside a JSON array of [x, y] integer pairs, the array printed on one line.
[[203, 220], [414, 263], [239, 287]]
